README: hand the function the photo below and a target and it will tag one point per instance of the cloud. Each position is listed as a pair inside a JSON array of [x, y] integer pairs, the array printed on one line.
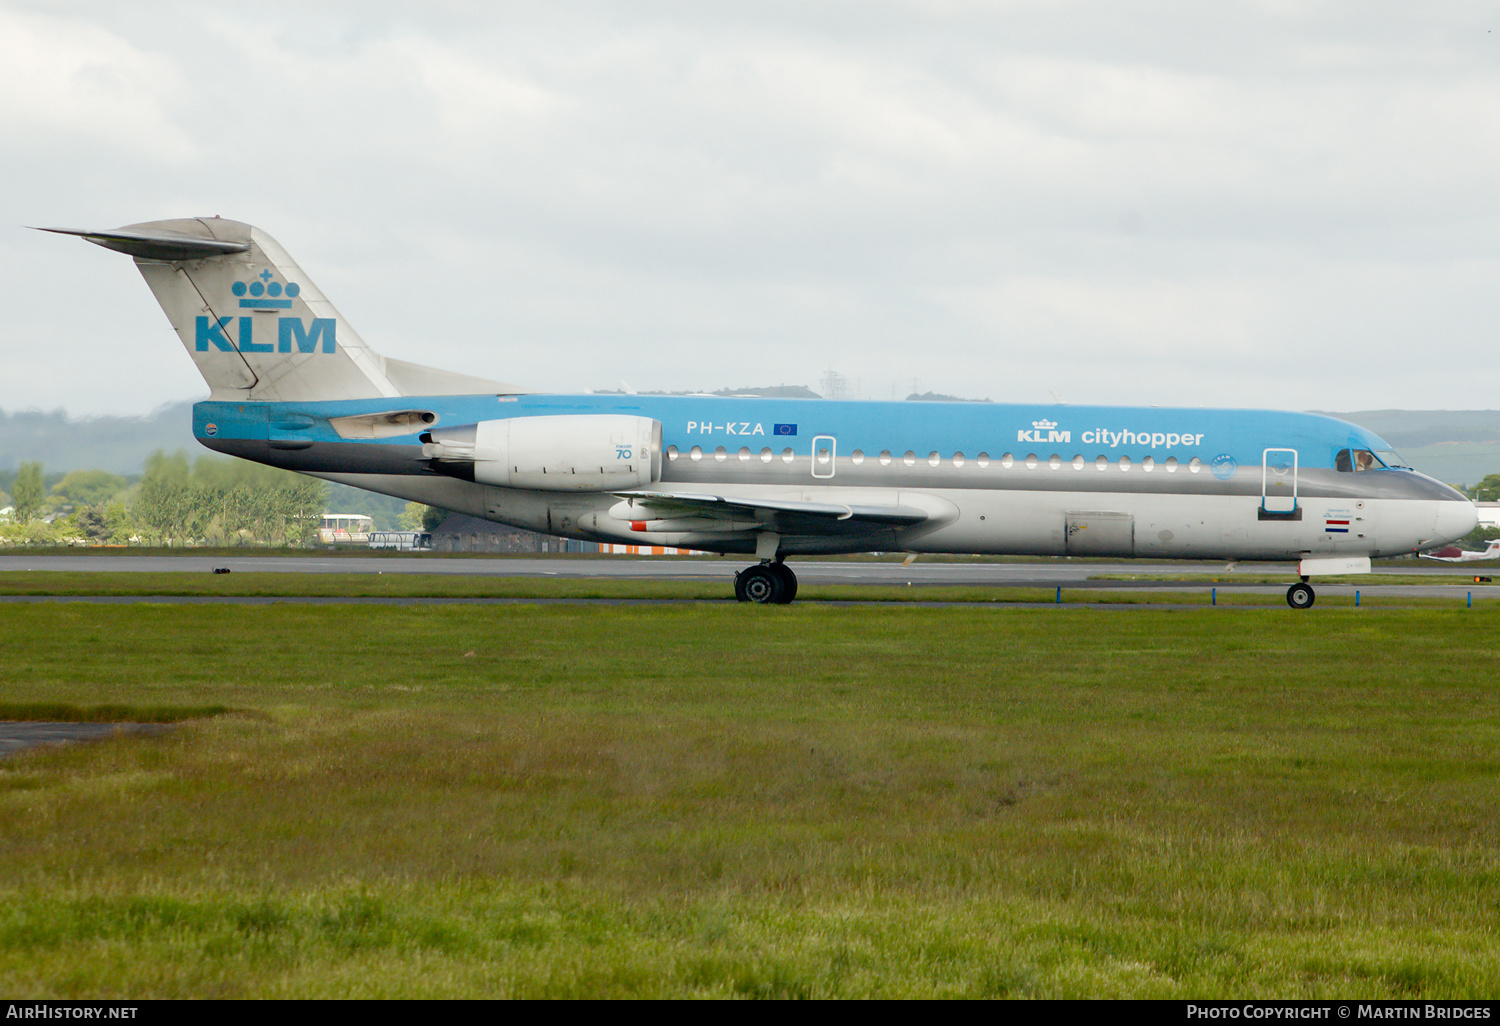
[[67, 83], [1158, 202]]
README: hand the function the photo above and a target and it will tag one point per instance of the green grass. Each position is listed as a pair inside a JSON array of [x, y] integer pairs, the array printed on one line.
[[718, 800]]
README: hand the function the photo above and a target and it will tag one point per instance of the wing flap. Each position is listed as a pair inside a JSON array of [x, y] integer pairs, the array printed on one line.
[[784, 516]]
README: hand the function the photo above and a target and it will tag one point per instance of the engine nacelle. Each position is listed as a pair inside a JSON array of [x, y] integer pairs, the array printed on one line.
[[568, 453]]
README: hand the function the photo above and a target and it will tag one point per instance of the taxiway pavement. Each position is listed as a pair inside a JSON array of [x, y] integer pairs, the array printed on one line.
[[1062, 572]]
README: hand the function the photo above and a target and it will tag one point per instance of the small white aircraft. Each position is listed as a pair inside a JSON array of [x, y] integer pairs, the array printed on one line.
[[1454, 554], [294, 386]]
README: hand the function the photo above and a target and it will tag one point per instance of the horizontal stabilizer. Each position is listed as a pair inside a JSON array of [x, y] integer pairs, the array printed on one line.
[[156, 245]]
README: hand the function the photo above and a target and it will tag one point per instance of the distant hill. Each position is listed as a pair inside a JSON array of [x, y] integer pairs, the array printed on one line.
[[773, 392], [1457, 446], [119, 445], [758, 392], [939, 397]]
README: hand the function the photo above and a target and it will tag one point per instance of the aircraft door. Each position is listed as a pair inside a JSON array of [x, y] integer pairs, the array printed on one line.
[[1100, 534], [824, 451], [1278, 481]]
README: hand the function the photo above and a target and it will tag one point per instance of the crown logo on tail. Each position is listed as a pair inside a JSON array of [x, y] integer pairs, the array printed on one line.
[[266, 293]]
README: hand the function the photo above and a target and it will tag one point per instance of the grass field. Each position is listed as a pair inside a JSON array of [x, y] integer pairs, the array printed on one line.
[[707, 799]]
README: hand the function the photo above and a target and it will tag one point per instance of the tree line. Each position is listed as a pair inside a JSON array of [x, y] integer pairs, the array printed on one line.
[[211, 501], [1487, 490]]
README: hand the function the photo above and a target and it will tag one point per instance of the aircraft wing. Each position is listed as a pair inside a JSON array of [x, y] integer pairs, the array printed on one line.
[[678, 511]]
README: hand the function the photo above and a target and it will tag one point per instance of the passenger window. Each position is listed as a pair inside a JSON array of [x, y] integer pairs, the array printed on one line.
[[1171, 464], [958, 459], [1124, 462], [695, 454], [786, 455], [933, 459], [1195, 465], [1148, 464], [885, 457], [744, 454], [1055, 462], [720, 454], [983, 459], [1078, 462], [671, 452], [1102, 462], [857, 456], [1031, 461], [1006, 461], [910, 459], [766, 454]]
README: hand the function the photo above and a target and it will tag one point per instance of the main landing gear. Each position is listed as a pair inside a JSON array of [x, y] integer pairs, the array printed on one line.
[[766, 582], [1300, 595]]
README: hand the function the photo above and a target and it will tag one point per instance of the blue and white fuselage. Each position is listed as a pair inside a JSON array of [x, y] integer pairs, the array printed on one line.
[[1111, 481], [295, 387]]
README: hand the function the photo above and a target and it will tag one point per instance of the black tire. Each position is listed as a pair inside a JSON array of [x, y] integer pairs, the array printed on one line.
[[1300, 596], [788, 582], [739, 587], [761, 584]]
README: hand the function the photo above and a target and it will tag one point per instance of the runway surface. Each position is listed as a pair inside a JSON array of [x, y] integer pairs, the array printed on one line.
[[1065, 573]]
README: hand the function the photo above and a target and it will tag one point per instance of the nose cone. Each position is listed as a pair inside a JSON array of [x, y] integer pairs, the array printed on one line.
[[1454, 520]]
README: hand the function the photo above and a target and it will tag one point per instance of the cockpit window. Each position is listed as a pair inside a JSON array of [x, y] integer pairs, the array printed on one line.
[[1358, 460]]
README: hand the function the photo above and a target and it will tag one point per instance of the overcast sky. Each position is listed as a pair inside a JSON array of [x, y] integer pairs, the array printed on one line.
[[1285, 204]]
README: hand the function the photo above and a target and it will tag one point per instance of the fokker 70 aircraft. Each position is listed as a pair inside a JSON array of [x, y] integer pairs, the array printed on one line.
[[293, 386]]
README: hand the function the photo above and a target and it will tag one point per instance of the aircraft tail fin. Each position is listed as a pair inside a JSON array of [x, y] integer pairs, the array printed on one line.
[[256, 325]]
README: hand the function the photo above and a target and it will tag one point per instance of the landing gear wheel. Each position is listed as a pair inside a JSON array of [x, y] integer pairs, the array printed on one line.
[[760, 583], [788, 582], [1300, 596]]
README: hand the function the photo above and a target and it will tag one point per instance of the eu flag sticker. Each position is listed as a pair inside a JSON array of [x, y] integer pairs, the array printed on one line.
[[784, 429]]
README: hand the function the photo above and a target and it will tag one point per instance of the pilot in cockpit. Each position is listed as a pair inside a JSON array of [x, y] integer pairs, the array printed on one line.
[[1355, 460]]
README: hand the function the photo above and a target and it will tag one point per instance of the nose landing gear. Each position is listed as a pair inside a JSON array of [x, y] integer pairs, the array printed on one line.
[[766, 582], [1300, 595]]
